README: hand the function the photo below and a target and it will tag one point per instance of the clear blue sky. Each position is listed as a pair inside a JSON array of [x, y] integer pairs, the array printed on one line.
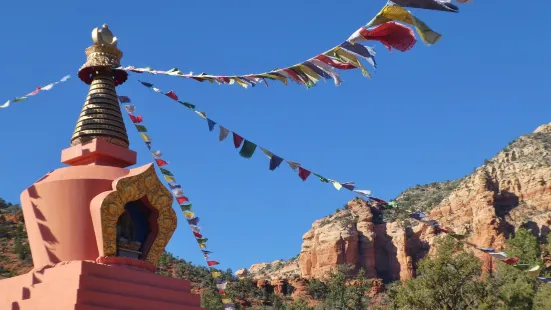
[[431, 114]]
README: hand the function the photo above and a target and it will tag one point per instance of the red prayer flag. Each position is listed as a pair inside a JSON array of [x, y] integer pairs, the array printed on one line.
[[222, 292], [212, 263], [391, 34], [294, 75], [303, 173], [136, 119], [511, 261], [197, 235], [237, 140], [332, 63], [182, 199], [172, 95], [160, 162], [34, 92]]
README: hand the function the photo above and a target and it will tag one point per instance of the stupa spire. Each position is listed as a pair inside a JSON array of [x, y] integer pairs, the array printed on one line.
[[101, 117]]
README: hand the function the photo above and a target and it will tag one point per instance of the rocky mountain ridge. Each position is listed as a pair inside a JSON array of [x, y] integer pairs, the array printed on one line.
[[511, 190]]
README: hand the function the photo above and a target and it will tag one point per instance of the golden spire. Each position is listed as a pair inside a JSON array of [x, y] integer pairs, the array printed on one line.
[[101, 116]]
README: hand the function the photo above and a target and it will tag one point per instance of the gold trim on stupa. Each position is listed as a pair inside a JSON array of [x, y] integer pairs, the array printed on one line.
[[101, 116]]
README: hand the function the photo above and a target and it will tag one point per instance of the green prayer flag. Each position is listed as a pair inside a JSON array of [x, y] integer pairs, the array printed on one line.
[[141, 128], [202, 240], [186, 207], [166, 172], [248, 149], [324, 180], [187, 105], [523, 266]]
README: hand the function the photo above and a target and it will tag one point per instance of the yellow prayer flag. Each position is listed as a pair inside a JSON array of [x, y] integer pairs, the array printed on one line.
[[145, 137], [351, 59], [189, 215], [202, 245], [240, 82], [202, 114], [534, 271], [216, 274], [169, 179], [337, 185], [226, 301], [309, 72], [274, 76]]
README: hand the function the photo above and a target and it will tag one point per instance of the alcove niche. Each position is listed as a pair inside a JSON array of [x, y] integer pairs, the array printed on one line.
[[136, 229]]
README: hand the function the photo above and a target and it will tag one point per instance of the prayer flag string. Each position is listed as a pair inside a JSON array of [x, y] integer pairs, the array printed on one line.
[[247, 147], [384, 27], [531, 270], [34, 92], [184, 202]]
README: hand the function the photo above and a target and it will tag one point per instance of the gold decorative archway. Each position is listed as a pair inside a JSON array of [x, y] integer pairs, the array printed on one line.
[[127, 189]]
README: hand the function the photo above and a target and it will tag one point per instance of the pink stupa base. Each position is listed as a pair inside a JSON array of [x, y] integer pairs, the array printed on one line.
[[84, 285], [70, 272]]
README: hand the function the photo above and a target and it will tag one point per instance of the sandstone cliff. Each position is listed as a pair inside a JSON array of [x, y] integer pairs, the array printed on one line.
[[511, 190]]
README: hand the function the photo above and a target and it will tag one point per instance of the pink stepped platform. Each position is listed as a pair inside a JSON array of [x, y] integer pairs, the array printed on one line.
[[88, 286]]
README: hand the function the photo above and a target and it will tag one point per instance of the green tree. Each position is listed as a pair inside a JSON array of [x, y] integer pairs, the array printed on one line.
[[299, 304], [317, 289], [210, 299], [449, 280], [357, 293], [336, 298], [511, 288]]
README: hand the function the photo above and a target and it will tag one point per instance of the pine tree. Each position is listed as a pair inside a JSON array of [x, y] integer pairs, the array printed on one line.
[[449, 280]]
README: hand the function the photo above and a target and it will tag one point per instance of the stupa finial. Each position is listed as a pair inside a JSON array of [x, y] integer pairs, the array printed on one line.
[[101, 116], [104, 36]]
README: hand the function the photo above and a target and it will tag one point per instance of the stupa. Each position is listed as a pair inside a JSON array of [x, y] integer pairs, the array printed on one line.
[[97, 228]]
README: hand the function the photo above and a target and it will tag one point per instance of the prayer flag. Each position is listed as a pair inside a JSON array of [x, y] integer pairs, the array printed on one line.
[[212, 263], [223, 133], [303, 173], [187, 104], [161, 162], [390, 34], [136, 119], [166, 172], [124, 99], [189, 215], [363, 192], [148, 85], [237, 139], [182, 199], [349, 185], [248, 149], [193, 221], [211, 124], [185, 207], [293, 165], [275, 161], [174, 186], [197, 235], [141, 128], [169, 178], [393, 12], [438, 5], [172, 95], [322, 179], [511, 261], [145, 137]]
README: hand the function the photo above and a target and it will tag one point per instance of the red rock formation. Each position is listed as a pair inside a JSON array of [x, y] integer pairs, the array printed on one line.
[[511, 190]]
